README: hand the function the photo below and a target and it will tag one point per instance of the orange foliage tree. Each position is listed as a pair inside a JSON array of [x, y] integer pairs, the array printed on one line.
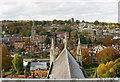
[[85, 57], [106, 55], [27, 40], [108, 41], [6, 59]]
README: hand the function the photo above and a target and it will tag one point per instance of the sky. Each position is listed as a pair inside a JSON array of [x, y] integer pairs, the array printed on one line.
[[88, 10]]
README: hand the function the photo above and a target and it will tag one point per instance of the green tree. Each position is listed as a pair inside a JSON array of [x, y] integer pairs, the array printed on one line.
[[77, 22], [83, 39], [89, 41], [116, 68], [47, 40], [17, 64], [96, 22]]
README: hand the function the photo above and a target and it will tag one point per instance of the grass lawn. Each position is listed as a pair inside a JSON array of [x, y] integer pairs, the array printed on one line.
[[8, 73], [89, 70]]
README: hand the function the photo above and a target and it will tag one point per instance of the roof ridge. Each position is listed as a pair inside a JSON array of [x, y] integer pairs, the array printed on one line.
[[68, 63], [60, 54]]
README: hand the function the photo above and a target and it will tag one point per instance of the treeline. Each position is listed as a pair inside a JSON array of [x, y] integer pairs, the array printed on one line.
[[24, 27]]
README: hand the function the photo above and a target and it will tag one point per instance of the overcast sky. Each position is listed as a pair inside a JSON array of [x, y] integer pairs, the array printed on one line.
[[88, 10]]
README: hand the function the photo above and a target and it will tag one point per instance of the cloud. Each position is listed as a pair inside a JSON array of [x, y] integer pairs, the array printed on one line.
[[102, 10]]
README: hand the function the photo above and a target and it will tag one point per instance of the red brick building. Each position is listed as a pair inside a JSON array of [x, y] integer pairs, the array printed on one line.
[[38, 39], [19, 44]]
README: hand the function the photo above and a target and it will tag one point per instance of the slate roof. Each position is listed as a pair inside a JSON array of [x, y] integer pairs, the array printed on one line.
[[38, 66], [65, 67]]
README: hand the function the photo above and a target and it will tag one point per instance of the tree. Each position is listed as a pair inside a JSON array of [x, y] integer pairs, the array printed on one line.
[[116, 68], [83, 39], [27, 40], [109, 64], [89, 41], [108, 41], [96, 22], [53, 29], [47, 40], [71, 43], [101, 70], [66, 28], [108, 54], [58, 30], [77, 22], [17, 64], [73, 53], [99, 41], [84, 33], [85, 57], [44, 54], [76, 36], [6, 59], [108, 70]]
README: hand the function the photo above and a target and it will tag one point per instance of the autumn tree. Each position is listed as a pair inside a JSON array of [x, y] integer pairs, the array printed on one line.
[[85, 57], [73, 53], [108, 54], [108, 70], [27, 40], [101, 70], [108, 41], [6, 59]]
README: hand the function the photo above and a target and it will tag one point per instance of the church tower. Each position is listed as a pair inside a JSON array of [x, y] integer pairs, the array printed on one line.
[[79, 53], [33, 32], [52, 53]]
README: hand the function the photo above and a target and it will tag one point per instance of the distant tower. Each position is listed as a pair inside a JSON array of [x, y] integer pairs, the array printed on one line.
[[72, 20], [52, 53], [65, 41], [33, 32], [79, 53]]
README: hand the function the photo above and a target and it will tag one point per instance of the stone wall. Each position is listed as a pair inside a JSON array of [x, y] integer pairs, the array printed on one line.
[[62, 80]]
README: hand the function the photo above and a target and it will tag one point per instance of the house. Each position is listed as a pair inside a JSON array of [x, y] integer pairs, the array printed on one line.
[[19, 44], [91, 32], [29, 47], [39, 69], [97, 49], [38, 39]]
